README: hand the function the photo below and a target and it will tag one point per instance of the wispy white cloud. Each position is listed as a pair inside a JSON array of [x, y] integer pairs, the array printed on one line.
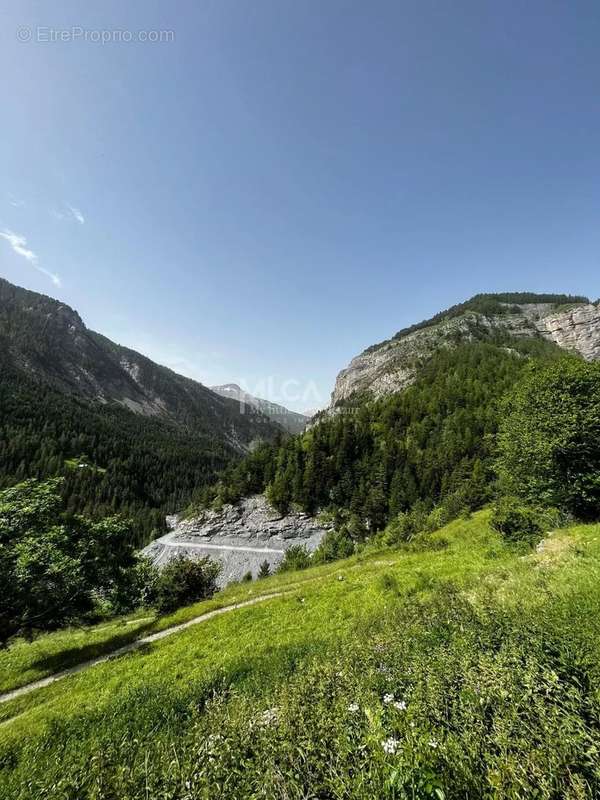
[[19, 246], [68, 213], [15, 201], [76, 213]]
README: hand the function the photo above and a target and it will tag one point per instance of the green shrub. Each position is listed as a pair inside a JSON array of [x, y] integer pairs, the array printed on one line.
[[335, 545], [296, 557], [515, 521], [265, 570], [549, 441], [183, 581]]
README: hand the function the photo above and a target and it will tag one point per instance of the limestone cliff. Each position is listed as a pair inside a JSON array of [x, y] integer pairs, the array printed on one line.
[[577, 329], [392, 365]]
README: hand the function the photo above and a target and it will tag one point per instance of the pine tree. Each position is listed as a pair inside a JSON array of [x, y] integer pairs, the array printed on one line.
[[265, 570]]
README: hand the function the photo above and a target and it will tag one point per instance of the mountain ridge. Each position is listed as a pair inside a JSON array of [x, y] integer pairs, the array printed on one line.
[[48, 340], [572, 322], [123, 434]]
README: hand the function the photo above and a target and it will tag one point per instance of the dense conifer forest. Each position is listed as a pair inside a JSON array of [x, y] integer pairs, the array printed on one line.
[[432, 443], [113, 461]]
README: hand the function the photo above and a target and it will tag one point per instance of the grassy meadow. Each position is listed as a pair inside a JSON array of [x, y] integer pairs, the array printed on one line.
[[453, 667]]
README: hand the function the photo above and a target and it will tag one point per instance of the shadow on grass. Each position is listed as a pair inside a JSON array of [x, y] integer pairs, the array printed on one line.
[[58, 662]]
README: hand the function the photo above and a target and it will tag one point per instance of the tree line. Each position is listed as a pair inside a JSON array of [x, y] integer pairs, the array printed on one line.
[[111, 460], [432, 443]]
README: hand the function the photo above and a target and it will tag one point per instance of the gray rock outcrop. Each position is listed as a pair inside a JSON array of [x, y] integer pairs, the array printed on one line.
[[577, 329], [240, 537]]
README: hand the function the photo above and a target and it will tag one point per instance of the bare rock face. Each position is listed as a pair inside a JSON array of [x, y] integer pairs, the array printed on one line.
[[240, 537], [392, 366], [578, 330]]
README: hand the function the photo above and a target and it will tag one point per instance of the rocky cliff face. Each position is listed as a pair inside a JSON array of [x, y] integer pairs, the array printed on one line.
[[393, 365], [578, 330], [239, 537]]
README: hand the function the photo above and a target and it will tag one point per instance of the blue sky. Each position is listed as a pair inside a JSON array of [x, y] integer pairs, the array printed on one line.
[[283, 183]]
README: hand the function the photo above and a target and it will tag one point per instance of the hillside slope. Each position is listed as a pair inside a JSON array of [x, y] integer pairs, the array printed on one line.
[[126, 434], [453, 667], [429, 444], [48, 342]]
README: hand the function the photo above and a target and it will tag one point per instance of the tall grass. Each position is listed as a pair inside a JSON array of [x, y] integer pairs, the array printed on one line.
[[466, 672]]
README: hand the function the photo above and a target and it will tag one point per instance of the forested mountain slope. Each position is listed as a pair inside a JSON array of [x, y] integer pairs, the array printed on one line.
[[47, 341], [413, 421], [431, 443], [128, 435], [571, 322]]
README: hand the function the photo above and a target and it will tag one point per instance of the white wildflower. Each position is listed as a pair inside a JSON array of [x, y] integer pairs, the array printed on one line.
[[390, 745], [269, 717], [433, 743], [388, 698], [354, 707], [400, 705]]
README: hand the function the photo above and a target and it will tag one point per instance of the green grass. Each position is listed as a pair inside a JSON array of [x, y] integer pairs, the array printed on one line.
[[493, 651], [24, 661]]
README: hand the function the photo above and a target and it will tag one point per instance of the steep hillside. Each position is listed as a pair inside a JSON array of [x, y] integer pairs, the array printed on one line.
[[48, 342], [413, 420], [573, 323], [290, 420], [126, 434], [432, 443], [453, 667]]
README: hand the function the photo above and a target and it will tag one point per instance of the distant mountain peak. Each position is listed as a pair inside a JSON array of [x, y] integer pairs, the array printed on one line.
[[233, 388], [292, 421]]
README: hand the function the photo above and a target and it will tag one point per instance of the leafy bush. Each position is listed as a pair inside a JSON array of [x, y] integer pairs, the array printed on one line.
[[549, 441], [407, 524], [335, 544], [183, 581], [296, 557], [515, 521], [59, 569]]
